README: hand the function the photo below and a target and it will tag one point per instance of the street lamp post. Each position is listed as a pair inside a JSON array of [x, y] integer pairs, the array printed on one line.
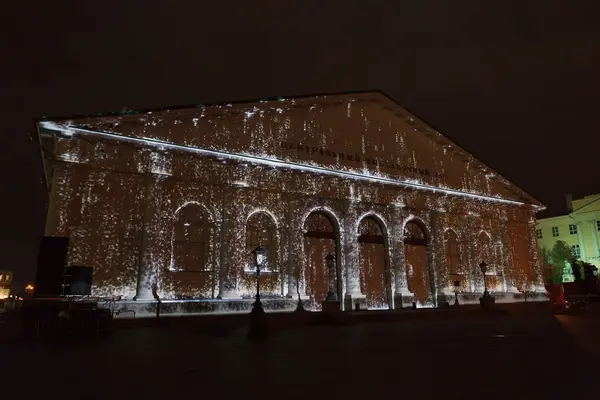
[[483, 267], [331, 294], [257, 329], [456, 287], [486, 300], [259, 259]]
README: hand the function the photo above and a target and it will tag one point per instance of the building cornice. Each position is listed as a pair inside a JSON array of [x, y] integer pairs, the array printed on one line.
[[69, 131]]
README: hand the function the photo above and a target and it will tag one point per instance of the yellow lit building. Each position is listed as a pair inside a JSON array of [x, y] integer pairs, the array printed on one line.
[[5, 283], [579, 229]]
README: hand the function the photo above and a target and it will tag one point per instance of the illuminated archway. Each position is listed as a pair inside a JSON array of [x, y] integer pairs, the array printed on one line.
[[373, 262], [453, 260], [489, 253], [261, 230], [321, 237], [192, 268], [421, 280], [192, 240]]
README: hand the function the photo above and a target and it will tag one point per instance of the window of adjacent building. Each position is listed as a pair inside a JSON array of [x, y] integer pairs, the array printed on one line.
[[538, 233], [555, 231], [598, 224], [576, 250], [572, 229]]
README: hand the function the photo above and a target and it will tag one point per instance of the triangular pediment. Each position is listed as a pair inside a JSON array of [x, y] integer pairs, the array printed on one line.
[[589, 204], [365, 133]]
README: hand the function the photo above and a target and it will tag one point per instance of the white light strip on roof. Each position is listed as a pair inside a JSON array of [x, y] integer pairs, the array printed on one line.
[[273, 162]]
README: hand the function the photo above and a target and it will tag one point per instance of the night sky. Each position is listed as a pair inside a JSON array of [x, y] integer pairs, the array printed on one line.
[[514, 82]]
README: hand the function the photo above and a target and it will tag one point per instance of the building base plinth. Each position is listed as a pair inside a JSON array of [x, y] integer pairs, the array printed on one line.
[[354, 301], [230, 295], [126, 308], [403, 300]]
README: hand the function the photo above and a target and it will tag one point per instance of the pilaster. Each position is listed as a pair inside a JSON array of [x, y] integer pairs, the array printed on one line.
[[473, 271], [54, 203], [536, 267], [437, 265], [352, 258], [146, 276], [231, 254], [594, 229], [295, 273], [508, 270], [581, 241]]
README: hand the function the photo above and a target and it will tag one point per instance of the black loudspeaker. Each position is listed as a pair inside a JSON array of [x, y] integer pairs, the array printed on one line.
[[52, 260], [78, 281]]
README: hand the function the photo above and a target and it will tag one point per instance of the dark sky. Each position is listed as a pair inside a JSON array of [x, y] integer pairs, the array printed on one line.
[[514, 82]]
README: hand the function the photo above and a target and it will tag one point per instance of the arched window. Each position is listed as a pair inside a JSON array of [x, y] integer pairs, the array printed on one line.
[[320, 239], [318, 225], [414, 234], [369, 231], [488, 253], [415, 256], [260, 231], [192, 240], [373, 263], [452, 252]]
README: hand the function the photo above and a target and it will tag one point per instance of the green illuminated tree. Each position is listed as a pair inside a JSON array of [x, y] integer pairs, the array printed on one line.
[[557, 258]]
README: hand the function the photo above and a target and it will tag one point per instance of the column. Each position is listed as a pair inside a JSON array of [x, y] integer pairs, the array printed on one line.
[[581, 240], [436, 263], [352, 258], [397, 264], [145, 276], [538, 273], [473, 271], [509, 278], [231, 247], [295, 251], [54, 201], [295, 274], [594, 229]]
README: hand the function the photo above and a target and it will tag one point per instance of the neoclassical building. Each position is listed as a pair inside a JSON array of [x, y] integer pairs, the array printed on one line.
[[180, 197]]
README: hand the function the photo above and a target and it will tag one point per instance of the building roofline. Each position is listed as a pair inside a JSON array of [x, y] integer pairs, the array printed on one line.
[[212, 104], [538, 204], [554, 217]]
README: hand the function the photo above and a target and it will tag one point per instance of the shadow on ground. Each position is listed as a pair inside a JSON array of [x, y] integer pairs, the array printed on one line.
[[455, 357]]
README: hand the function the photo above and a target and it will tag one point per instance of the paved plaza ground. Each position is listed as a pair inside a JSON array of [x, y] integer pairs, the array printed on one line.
[[472, 356]]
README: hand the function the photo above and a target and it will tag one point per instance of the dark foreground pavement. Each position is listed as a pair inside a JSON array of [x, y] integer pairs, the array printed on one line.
[[499, 357]]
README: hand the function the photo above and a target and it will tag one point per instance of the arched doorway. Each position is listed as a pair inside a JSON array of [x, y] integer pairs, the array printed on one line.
[[192, 259], [192, 240], [261, 231], [373, 263], [415, 256], [453, 261], [320, 239], [486, 252]]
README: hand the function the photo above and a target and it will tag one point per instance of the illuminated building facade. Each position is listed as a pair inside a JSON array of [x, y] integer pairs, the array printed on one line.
[[180, 197], [579, 228], [5, 283]]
